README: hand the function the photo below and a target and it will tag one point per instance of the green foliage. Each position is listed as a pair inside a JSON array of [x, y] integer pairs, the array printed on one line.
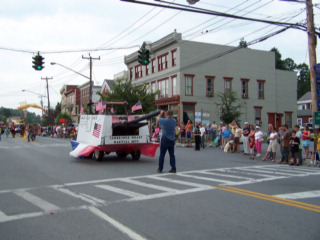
[[124, 91], [230, 107], [64, 115], [303, 84], [7, 112], [303, 79]]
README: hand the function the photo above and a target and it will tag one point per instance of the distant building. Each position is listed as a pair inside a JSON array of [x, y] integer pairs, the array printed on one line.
[[85, 94], [73, 103], [120, 75], [189, 75], [304, 113], [106, 86], [63, 91]]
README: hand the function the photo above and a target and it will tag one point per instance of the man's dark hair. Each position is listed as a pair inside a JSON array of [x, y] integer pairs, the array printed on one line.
[[170, 113], [286, 126]]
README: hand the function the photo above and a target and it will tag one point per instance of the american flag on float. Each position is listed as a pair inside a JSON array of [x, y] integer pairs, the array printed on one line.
[[96, 130], [136, 107]]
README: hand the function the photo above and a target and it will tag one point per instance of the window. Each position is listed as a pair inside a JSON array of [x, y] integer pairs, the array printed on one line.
[[189, 85], [138, 71], [257, 114], [153, 65], [288, 119], [174, 85], [147, 69], [163, 88], [260, 89], [209, 86], [162, 62], [228, 86], [244, 88], [153, 87], [131, 73], [174, 57]]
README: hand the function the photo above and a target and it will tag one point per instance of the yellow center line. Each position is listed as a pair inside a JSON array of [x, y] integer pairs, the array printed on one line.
[[24, 139], [288, 202]]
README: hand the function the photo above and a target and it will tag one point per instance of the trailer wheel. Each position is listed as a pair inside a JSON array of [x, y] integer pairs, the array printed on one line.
[[135, 155], [121, 154], [98, 155]]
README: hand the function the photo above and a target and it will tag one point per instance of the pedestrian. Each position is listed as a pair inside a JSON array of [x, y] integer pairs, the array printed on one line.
[[237, 135], [189, 133], [270, 127], [272, 145], [30, 132], [214, 130], [197, 138], [182, 132], [259, 139], [226, 135], [7, 131], [294, 149], [285, 139], [251, 137], [13, 130], [209, 131], [299, 135], [167, 125], [177, 133], [306, 140], [203, 135], [232, 126], [245, 133]]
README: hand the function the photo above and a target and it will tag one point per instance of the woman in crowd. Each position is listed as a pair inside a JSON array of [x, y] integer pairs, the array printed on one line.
[[237, 135], [251, 137], [272, 145], [259, 139], [182, 132], [306, 140]]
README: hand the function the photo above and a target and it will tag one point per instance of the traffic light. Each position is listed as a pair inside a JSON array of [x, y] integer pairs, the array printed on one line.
[[144, 56], [38, 62]]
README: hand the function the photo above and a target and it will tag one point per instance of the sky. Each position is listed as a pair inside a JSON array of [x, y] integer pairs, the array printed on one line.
[[66, 31]]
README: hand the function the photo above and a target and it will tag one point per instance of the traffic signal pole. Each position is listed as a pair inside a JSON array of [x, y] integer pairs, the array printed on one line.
[[90, 88]]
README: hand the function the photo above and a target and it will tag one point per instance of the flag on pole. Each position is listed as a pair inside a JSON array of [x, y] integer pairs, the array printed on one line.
[[136, 107], [100, 106]]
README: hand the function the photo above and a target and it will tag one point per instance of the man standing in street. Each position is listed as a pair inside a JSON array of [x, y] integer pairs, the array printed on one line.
[[285, 139], [245, 132], [167, 124]]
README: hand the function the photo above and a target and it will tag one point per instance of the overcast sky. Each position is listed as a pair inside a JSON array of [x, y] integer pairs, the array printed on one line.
[[63, 29]]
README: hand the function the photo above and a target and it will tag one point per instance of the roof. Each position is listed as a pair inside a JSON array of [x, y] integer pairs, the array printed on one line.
[[305, 97], [110, 83]]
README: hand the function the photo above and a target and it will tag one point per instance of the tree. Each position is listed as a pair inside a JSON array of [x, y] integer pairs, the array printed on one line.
[[230, 107], [124, 91], [279, 62], [303, 83]]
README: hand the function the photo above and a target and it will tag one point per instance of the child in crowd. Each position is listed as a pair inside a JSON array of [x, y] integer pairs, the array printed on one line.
[[294, 148], [252, 141]]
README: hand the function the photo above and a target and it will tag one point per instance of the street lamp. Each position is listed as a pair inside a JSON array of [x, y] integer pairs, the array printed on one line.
[[90, 103], [24, 90]]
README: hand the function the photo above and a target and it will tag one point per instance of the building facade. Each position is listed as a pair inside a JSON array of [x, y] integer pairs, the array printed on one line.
[[63, 91], [304, 113], [189, 75], [85, 94]]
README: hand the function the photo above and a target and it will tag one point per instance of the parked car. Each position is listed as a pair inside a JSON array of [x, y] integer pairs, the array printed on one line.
[[310, 129]]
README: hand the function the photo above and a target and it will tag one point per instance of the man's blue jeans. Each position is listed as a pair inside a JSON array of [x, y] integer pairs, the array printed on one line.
[[165, 145], [202, 141]]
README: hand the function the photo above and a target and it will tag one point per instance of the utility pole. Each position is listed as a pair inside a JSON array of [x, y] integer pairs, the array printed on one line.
[[46, 78], [312, 42], [90, 88]]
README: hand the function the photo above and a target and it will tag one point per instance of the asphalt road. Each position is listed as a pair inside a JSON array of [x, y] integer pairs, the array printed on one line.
[[45, 194]]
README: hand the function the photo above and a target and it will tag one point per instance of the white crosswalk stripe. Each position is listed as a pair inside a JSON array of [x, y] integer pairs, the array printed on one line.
[[155, 186]]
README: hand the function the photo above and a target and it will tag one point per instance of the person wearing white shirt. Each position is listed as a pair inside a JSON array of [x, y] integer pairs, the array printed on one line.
[[259, 139], [272, 145], [202, 134]]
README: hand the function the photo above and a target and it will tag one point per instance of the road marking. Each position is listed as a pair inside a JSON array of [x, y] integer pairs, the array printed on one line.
[[300, 195], [225, 175], [288, 202], [119, 190], [4, 147], [129, 232], [87, 198], [204, 178], [40, 203], [149, 185]]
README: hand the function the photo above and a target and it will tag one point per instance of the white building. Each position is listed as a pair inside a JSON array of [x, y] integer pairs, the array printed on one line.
[[189, 75]]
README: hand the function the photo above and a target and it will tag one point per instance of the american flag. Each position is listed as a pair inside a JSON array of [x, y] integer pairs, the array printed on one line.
[[96, 130], [136, 107]]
